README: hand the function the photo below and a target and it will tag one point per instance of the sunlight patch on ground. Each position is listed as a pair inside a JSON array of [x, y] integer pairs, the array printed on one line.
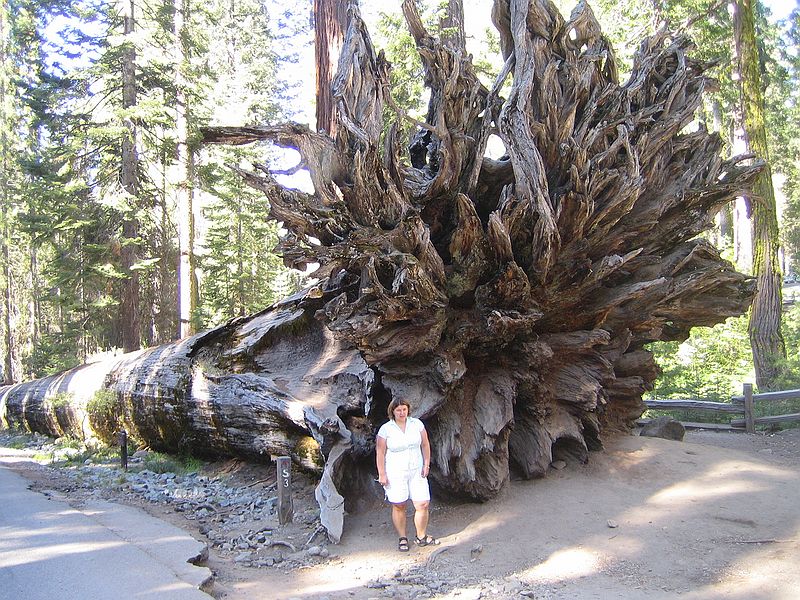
[[701, 490], [725, 479], [31, 555], [355, 571], [570, 563]]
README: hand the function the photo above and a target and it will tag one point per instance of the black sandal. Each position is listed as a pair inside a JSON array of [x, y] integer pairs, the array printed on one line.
[[428, 540], [402, 544]]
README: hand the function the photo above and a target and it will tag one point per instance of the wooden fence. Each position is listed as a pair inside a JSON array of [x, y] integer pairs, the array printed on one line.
[[739, 405]]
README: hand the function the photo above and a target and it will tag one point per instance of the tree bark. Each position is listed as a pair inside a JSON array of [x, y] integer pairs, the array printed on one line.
[[330, 26], [451, 25], [129, 300], [509, 301], [764, 328], [5, 149], [187, 287]]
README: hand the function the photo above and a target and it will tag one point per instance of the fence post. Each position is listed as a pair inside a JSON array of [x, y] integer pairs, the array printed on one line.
[[749, 419], [285, 508]]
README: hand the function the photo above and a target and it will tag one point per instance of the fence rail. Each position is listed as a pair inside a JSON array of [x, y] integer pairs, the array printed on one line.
[[739, 405]]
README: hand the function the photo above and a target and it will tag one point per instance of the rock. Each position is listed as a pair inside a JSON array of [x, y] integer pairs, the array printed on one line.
[[243, 557], [664, 427], [558, 464], [314, 551]]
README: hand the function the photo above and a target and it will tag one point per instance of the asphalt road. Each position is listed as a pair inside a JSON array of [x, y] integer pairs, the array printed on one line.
[[49, 550]]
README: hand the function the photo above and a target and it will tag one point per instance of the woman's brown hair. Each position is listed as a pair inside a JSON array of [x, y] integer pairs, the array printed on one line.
[[394, 404]]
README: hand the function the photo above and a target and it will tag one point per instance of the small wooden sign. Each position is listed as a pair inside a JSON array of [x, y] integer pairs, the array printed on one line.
[[123, 449], [285, 508]]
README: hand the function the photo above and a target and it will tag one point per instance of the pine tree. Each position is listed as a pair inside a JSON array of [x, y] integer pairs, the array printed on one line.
[[240, 272], [767, 342], [6, 126]]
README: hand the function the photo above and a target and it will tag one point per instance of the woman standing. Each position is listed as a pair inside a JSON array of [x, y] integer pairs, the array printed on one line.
[[404, 456]]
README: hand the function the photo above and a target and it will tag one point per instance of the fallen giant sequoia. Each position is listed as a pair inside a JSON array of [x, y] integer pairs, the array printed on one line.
[[509, 300]]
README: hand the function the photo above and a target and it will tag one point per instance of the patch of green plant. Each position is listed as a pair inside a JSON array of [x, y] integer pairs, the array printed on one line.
[[98, 455], [192, 465], [77, 459], [61, 399], [159, 462], [18, 443], [105, 414], [105, 453], [69, 441]]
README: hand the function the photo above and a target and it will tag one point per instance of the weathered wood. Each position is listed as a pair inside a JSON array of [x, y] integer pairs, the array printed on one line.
[[697, 425], [722, 407], [510, 301], [766, 420], [748, 407], [770, 396], [272, 384]]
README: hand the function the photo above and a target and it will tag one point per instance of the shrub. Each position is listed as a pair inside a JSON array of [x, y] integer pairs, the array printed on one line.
[[105, 414]]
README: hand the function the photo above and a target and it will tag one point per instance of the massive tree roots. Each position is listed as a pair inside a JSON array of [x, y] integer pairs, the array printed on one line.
[[509, 300]]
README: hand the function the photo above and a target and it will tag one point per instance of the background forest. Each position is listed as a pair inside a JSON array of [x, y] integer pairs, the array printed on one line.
[[119, 230]]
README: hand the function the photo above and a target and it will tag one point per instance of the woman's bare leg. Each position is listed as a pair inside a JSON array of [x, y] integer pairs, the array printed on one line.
[[399, 518], [421, 515]]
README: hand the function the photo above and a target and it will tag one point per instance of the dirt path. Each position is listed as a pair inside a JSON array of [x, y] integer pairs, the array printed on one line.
[[648, 518], [715, 516]]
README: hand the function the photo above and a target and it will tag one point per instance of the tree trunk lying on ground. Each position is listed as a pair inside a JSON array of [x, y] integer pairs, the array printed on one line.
[[509, 300]]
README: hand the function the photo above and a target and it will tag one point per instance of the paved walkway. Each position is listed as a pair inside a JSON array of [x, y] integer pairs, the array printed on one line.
[[103, 551]]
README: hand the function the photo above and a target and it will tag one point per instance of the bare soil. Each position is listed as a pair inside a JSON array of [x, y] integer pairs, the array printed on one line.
[[714, 516]]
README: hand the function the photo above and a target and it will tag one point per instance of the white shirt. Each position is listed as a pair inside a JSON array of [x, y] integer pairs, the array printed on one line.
[[403, 448]]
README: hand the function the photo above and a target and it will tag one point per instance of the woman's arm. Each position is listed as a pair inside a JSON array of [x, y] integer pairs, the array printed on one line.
[[426, 453], [380, 459]]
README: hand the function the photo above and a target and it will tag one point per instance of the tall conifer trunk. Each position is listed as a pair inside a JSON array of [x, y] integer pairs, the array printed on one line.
[[187, 287], [765, 319], [330, 25], [5, 192], [129, 302]]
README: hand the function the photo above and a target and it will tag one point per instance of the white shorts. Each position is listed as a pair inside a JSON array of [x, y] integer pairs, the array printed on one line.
[[407, 484]]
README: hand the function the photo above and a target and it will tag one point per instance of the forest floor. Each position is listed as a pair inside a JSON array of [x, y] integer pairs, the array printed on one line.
[[714, 516]]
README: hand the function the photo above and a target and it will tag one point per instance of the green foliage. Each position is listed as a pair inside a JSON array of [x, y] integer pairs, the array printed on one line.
[[105, 414], [63, 119], [69, 441], [407, 75], [98, 453], [790, 367], [60, 400], [714, 362], [56, 352], [166, 463], [18, 443], [241, 272], [711, 365]]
